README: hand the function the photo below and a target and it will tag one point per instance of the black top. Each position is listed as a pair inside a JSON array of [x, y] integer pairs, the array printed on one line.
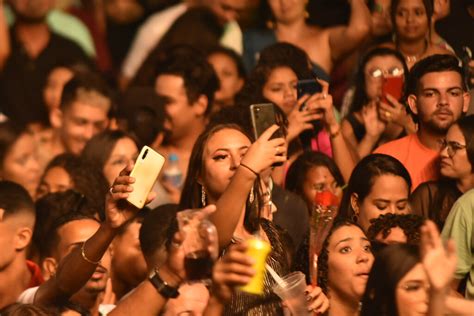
[[292, 214], [357, 127], [23, 78]]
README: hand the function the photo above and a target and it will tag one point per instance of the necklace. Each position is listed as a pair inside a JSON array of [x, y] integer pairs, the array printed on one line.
[[414, 58]]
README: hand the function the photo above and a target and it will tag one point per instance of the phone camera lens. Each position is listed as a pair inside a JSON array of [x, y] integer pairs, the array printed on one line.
[[144, 154]]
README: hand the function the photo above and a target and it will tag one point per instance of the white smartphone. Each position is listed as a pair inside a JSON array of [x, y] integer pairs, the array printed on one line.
[[146, 170]]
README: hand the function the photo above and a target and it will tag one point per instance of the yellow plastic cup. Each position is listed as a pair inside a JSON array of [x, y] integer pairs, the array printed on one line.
[[258, 249]]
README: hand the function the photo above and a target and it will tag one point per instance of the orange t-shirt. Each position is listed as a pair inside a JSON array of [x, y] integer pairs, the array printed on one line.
[[421, 162]]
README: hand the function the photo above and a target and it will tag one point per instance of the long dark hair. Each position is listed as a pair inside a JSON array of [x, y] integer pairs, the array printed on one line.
[[98, 150], [447, 192], [428, 4], [360, 96], [323, 266], [391, 264], [363, 177], [191, 194], [300, 167]]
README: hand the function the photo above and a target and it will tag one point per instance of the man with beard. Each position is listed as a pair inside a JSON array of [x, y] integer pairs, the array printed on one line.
[[437, 97], [34, 51]]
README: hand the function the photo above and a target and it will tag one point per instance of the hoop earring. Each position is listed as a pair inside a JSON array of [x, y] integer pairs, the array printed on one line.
[[203, 197], [355, 218]]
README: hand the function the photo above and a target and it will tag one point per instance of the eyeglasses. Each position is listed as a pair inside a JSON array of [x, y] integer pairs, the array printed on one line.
[[452, 146], [379, 73]]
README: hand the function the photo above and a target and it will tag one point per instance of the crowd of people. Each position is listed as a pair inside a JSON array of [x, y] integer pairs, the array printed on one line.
[[387, 131]]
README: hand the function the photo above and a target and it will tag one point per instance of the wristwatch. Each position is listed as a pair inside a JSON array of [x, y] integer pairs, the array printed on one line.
[[161, 286]]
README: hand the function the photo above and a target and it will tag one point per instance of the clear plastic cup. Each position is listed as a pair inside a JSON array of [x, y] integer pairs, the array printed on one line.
[[292, 291]]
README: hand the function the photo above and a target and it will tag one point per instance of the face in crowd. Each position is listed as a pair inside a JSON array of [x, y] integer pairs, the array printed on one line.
[[221, 158], [439, 101], [280, 88], [349, 260]]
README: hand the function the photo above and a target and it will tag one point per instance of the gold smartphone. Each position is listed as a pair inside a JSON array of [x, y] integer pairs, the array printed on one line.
[[146, 170]]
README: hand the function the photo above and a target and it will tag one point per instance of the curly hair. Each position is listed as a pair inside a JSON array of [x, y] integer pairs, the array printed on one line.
[[323, 266], [409, 223], [84, 178]]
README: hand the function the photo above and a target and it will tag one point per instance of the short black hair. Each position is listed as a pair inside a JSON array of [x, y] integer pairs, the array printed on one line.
[[84, 178], [86, 81], [14, 199], [157, 228], [192, 66], [55, 210], [434, 63], [409, 223], [142, 112]]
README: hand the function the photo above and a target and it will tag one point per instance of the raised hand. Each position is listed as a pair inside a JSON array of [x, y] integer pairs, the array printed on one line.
[[264, 152], [322, 104], [117, 209], [234, 269], [439, 263], [374, 127], [393, 111], [300, 120], [317, 301]]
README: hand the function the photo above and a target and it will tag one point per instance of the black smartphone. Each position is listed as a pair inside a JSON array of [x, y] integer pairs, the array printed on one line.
[[263, 116], [309, 87]]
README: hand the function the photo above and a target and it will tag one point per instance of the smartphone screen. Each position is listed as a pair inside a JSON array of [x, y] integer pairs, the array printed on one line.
[[393, 86], [308, 86]]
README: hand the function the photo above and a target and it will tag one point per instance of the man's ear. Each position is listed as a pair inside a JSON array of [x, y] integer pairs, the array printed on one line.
[[412, 100], [49, 267], [355, 203], [56, 118], [22, 238], [200, 105], [467, 101]]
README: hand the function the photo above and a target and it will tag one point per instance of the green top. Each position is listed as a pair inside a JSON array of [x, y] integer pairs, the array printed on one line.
[[66, 25], [459, 226]]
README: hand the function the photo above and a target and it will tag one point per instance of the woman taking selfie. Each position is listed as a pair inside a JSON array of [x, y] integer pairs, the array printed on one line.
[[375, 116], [224, 170]]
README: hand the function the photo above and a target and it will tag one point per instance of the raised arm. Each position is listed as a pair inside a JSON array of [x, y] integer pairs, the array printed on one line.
[[4, 37], [77, 267], [439, 265], [260, 156], [345, 39], [342, 154]]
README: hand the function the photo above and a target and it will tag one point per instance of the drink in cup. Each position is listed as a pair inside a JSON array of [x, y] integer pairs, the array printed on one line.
[[258, 249], [199, 244]]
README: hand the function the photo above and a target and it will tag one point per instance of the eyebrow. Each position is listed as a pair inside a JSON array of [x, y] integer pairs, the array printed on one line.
[[228, 149], [351, 238], [437, 89]]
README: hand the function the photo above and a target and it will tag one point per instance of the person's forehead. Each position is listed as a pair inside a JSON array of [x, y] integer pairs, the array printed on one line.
[[233, 4], [86, 110], [441, 79], [77, 231]]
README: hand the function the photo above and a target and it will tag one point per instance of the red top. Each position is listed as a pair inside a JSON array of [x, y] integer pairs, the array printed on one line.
[[36, 276]]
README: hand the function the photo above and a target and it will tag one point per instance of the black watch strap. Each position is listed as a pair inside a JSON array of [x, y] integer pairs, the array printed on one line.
[[161, 286]]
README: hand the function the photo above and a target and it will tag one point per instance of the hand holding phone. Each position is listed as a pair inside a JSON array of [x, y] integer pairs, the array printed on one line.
[[146, 170], [392, 85], [263, 117]]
